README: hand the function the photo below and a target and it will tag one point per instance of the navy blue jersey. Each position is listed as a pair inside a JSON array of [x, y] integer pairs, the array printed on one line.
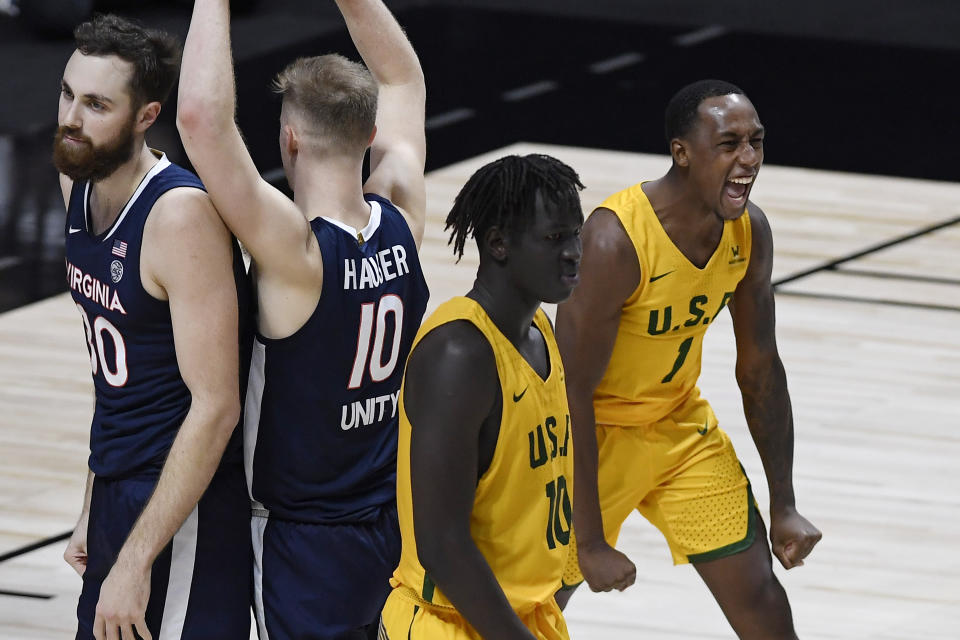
[[141, 399], [321, 414]]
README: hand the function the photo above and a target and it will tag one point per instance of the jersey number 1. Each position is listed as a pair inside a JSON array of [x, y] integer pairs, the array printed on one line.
[[379, 370], [681, 356]]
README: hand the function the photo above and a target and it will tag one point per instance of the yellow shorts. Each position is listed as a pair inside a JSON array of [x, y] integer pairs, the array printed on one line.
[[683, 475], [403, 617]]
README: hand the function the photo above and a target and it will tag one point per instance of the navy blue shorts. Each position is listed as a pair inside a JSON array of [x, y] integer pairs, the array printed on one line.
[[200, 585], [322, 581]]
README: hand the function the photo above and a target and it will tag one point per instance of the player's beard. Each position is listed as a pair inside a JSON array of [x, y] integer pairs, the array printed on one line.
[[86, 161]]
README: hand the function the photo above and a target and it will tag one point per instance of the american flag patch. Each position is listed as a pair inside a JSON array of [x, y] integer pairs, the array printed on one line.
[[119, 248]]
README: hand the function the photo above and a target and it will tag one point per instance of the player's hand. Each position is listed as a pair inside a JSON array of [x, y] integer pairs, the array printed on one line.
[[76, 552], [122, 607], [792, 537], [604, 568]]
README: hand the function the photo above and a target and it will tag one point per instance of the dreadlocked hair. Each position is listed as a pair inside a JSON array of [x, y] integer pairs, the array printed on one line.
[[503, 194]]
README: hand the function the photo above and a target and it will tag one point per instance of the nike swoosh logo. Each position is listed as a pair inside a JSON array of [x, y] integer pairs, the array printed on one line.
[[75, 230], [516, 398], [703, 431], [662, 275]]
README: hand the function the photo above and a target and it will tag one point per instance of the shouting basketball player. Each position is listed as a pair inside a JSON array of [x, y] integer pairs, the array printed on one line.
[[661, 260]]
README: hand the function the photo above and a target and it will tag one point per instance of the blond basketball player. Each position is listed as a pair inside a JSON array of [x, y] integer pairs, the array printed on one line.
[[484, 467], [662, 259], [340, 295]]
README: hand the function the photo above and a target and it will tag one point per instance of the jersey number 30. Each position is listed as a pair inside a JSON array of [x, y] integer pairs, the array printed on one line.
[[370, 311], [116, 376]]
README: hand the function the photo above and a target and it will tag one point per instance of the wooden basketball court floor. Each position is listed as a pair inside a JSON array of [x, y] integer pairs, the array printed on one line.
[[868, 312]]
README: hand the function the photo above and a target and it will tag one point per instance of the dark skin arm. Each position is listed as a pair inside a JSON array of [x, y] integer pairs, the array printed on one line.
[[452, 399], [766, 402], [587, 325]]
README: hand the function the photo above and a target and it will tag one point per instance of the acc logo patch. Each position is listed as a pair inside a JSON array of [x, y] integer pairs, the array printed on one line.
[[116, 271]]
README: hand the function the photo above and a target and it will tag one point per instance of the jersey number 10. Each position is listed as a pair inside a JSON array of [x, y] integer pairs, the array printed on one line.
[[560, 513], [379, 370]]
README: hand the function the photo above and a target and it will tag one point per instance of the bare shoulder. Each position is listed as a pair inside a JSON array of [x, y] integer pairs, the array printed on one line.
[[759, 230], [452, 371], [185, 244], [758, 219], [759, 272], [456, 349], [186, 215], [604, 232], [610, 267]]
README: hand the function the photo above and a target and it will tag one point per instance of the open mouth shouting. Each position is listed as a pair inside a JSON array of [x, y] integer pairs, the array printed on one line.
[[737, 189]]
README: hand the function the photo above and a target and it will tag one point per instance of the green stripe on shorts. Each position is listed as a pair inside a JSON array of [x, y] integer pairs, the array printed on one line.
[[740, 545], [428, 588]]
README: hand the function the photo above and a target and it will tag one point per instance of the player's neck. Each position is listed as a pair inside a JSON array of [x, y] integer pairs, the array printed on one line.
[[330, 187], [676, 203], [693, 228], [506, 306], [110, 195]]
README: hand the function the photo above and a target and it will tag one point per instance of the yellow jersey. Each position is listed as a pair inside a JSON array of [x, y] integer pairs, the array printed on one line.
[[656, 358], [521, 513]]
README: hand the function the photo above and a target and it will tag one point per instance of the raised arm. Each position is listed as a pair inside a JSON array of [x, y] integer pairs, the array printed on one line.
[[766, 402], [188, 257], [587, 325], [266, 221], [450, 388], [398, 152]]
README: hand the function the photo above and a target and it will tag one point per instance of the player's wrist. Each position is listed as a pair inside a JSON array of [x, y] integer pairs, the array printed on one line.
[[782, 507], [591, 544], [133, 560]]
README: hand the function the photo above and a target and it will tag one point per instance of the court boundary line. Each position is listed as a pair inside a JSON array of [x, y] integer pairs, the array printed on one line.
[[887, 275], [26, 594], [866, 300], [833, 264], [33, 546]]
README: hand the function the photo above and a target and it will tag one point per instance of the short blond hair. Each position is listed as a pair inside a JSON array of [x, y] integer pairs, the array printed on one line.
[[336, 96]]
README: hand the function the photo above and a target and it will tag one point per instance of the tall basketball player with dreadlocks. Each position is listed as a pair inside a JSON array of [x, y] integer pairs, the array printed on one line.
[[485, 462]]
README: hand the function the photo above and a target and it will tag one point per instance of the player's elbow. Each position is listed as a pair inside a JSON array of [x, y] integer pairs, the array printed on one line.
[[429, 558], [436, 547], [228, 414], [222, 412], [189, 123], [418, 80], [746, 373], [580, 388], [196, 119], [758, 369]]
